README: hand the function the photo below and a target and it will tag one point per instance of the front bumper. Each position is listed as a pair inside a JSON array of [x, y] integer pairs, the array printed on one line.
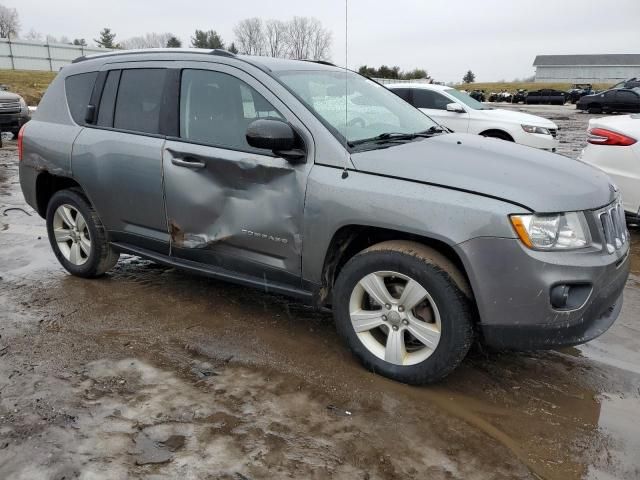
[[512, 286], [536, 140], [13, 120]]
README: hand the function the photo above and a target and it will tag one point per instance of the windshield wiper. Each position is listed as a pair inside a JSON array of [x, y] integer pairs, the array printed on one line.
[[393, 136]]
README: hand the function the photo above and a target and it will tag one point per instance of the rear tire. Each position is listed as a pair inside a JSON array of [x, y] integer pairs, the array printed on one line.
[[424, 295], [77, 236]]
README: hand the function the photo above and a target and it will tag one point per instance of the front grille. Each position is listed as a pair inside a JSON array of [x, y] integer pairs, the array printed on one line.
[[614, 227], [9, 107], [554, 132]]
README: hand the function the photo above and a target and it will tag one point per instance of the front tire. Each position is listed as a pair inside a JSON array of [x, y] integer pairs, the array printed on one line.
[[403, 309], [77, 236]]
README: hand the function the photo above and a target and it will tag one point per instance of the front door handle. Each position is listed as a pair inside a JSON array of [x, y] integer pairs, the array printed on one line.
[[188, 162]]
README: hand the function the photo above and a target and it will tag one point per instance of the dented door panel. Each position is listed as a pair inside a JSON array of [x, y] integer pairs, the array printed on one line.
[[242, 205], [235, 209]]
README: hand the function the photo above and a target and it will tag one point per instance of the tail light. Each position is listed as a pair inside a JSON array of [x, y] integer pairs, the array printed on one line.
[[20, 137], [602, 136]]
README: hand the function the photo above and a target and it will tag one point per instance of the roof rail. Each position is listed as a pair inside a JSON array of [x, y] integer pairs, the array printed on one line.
[[216, 51], [221, 52], [321, 62]]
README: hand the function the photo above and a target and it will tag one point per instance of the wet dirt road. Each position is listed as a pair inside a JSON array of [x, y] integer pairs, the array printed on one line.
[[154, 373]]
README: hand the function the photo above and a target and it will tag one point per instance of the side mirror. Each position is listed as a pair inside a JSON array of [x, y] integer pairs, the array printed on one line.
[[277, 136], [455, 108]]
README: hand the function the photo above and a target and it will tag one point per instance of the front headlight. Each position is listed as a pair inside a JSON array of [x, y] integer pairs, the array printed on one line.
[[562, 231], [23, 104], [533, 129]]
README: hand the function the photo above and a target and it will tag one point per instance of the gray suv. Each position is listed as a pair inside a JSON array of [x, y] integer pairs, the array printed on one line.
[[299, 178]]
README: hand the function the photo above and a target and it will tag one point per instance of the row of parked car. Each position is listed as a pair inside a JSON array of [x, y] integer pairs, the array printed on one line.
[[623, 97]]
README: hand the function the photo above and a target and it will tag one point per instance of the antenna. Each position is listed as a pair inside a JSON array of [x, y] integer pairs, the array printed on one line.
[[345, 172]]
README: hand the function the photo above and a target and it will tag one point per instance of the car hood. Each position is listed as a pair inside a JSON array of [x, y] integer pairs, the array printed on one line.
[[8, 96], [538, 180], [516, 117]]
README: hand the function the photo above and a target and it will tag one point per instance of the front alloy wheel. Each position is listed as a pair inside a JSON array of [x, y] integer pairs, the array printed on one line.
[[405, 310], [395, 318]]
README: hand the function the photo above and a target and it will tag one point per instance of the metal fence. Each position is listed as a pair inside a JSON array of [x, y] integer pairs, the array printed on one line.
[[27, 55]]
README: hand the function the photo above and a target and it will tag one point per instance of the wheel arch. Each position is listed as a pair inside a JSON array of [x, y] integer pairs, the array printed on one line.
[[47, 185], [497, 133], [350, 240]]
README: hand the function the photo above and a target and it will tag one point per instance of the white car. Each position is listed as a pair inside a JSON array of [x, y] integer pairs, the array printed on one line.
[[614, 147], [461, 113]]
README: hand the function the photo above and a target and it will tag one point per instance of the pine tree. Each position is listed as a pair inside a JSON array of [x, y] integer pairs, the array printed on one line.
[[469, 77], [232, 48], [174, 42], [210, 39], [106, 39]]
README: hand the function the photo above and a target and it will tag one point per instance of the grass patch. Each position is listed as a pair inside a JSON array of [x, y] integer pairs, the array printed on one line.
[[513, 86], [29, 84]]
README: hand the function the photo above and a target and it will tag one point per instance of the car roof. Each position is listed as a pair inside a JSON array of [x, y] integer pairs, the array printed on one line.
[[425, 86], [264, 63]]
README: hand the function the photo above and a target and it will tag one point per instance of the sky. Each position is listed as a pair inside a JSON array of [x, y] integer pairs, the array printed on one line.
[[496, 39]]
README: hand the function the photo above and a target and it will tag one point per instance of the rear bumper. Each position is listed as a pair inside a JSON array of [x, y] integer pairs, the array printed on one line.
[[512, 286]]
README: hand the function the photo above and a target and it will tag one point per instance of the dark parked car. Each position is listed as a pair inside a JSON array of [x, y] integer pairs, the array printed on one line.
[[478, 95], [631, 83], [519, 96], [546, 96], [13, 112], [578, 91], [614, 100]]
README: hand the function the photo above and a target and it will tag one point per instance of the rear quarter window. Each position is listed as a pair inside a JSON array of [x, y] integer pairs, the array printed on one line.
[[78, 89]]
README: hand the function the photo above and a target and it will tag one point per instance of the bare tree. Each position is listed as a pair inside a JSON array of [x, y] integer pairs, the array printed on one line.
[[9, 22], [148, 40], [275, 34], [33, 36], [250, 36], [320, 48], [54, 39], [298, 37]]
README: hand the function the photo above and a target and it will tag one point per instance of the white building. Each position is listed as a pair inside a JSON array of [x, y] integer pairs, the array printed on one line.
[[587, 68]]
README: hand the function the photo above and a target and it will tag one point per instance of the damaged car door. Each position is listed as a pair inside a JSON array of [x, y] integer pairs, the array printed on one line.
[[230, 205]]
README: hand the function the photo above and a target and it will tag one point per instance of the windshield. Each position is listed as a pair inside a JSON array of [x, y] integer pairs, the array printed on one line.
[[466, 99], [372, 110]]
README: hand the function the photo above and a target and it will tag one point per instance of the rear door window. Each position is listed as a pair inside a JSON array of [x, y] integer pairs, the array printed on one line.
[[140, 100], [428, 99], [108, 99], [78, 89], [403, 93]]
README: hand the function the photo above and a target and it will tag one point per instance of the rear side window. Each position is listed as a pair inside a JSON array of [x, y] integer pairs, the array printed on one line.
[[108, 99], [139, 100], [78, 89]]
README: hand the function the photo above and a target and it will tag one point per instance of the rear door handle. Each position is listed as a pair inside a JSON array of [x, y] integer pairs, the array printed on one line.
[[188, 162]]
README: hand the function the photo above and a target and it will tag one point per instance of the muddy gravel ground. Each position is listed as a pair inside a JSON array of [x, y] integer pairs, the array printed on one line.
[[154, 373]]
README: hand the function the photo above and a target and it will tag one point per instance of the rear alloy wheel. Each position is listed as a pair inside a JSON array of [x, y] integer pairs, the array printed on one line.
[[404, 311], [72, 234], [77, 236]]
